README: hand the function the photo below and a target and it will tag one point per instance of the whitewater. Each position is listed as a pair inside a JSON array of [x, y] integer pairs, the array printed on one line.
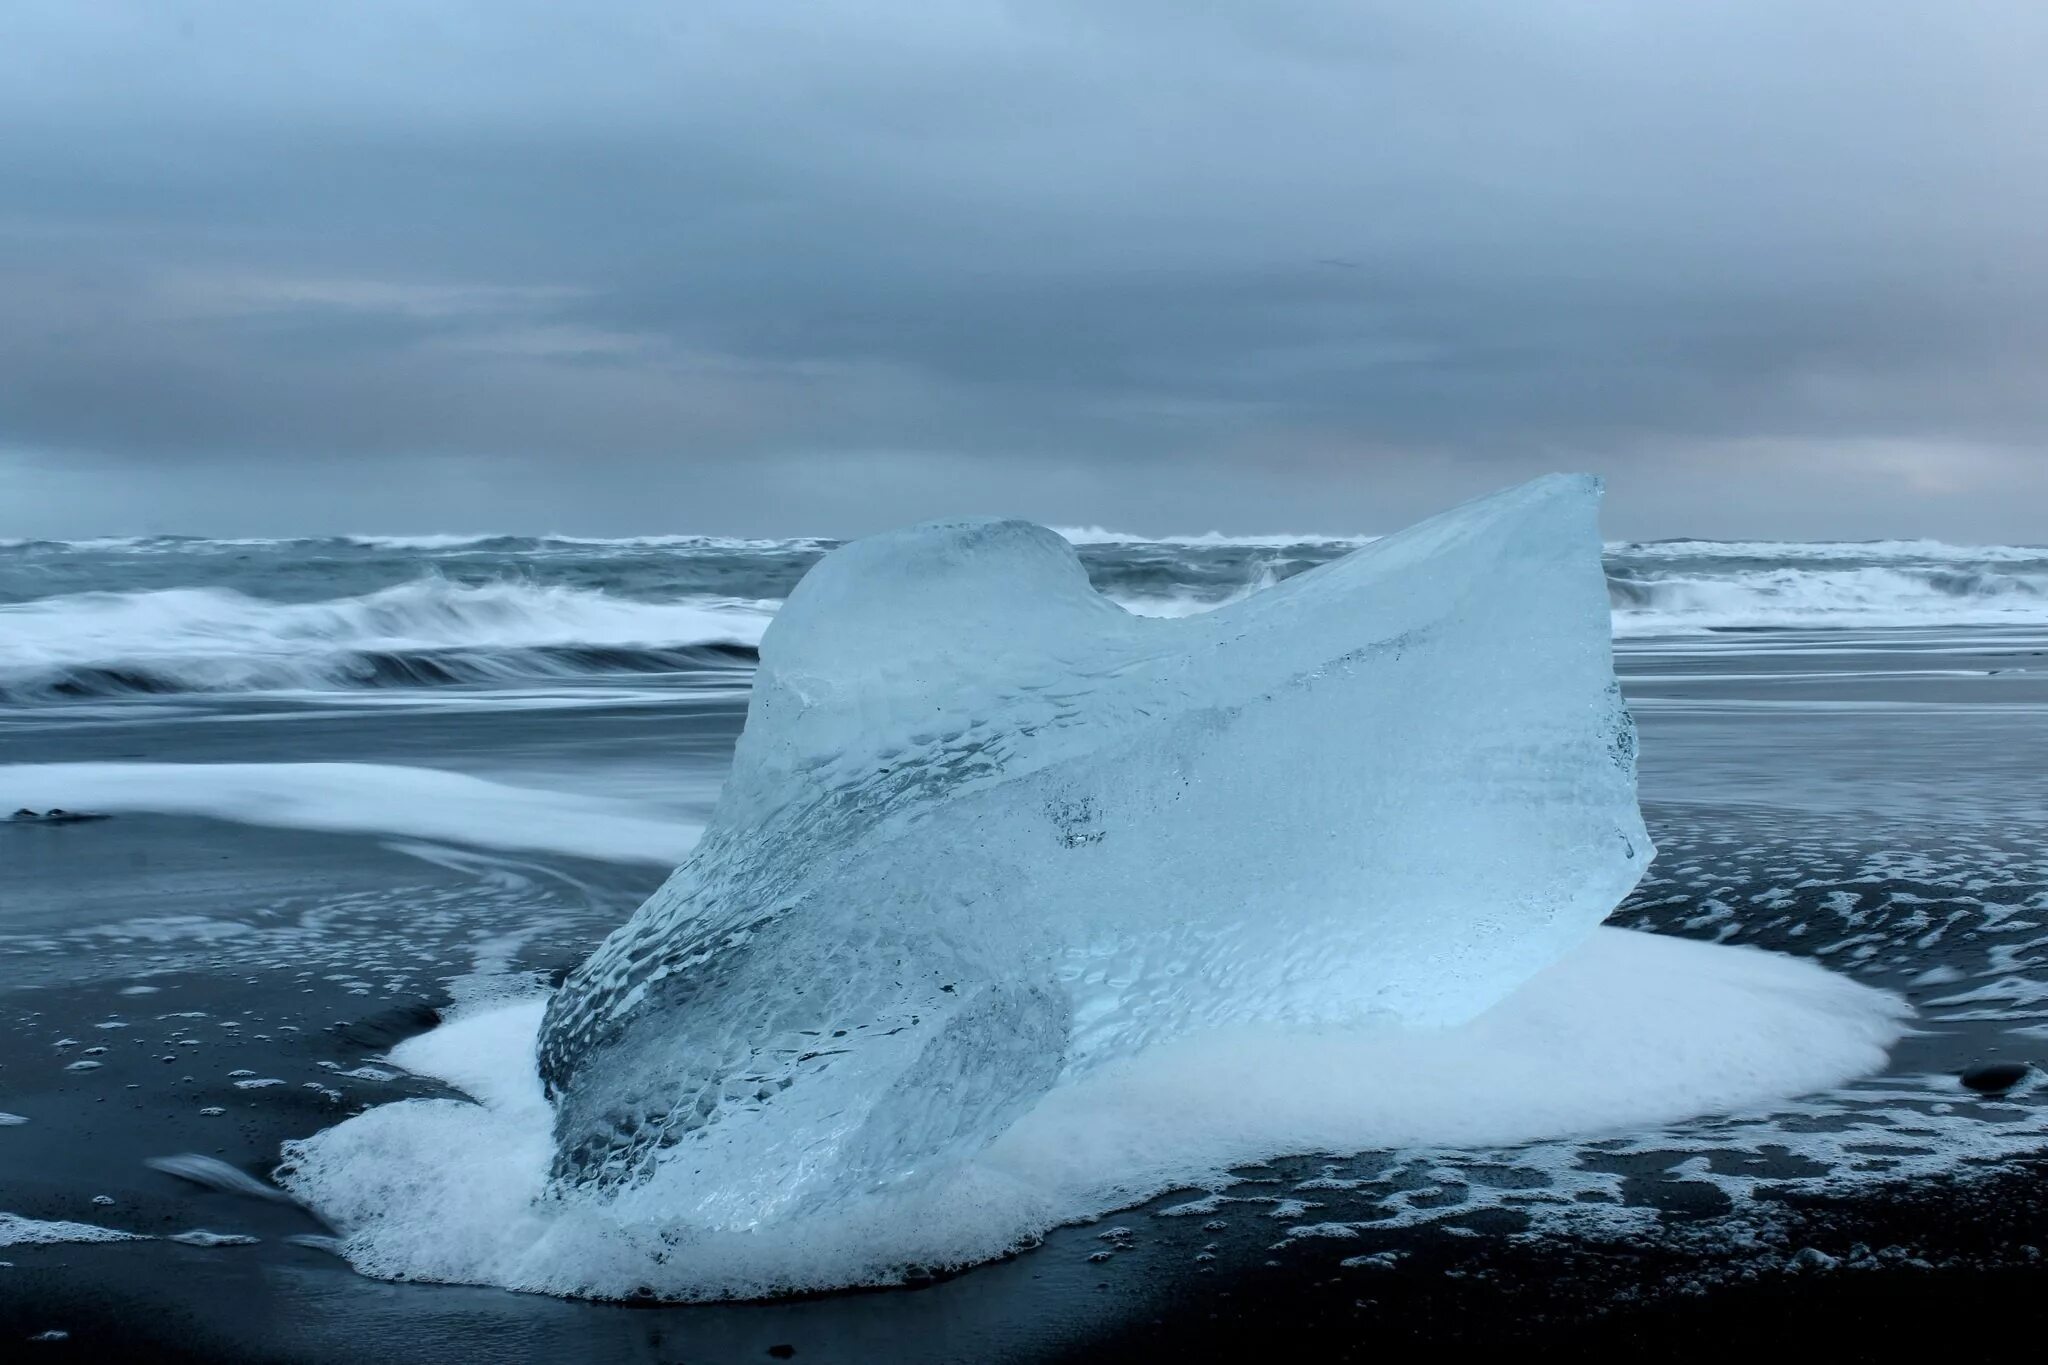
[[181, 615]]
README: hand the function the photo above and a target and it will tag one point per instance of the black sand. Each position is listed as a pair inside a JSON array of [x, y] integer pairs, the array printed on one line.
[[321, 950]]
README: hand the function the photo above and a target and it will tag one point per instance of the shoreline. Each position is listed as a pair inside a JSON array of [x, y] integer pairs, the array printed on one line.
[[1901, 855]]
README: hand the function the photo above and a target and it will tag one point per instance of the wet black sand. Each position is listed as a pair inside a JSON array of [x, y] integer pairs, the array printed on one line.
[[309, 954], [1960, 1256]]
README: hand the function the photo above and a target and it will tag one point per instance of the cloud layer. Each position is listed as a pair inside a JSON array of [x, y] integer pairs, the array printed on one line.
[[768, 267]]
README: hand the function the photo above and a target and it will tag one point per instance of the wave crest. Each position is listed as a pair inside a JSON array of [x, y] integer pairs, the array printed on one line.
[[425, 632], [1946, 593]]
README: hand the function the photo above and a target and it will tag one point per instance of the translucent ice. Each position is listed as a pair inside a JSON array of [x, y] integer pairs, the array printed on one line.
[[986, 831]]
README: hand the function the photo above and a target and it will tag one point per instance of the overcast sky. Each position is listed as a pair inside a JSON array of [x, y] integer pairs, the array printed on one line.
[[1775, 267]]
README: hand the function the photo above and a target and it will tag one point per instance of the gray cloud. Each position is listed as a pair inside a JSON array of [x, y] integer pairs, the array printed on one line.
[[768, 267]]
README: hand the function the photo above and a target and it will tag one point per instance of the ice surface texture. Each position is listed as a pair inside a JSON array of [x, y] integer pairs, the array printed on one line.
[[985, 831]]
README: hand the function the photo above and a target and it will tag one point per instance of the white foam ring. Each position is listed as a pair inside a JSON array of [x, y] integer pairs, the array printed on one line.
[[1630, 1031]]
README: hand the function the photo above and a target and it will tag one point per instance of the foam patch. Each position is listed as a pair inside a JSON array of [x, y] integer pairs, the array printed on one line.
[[1629, 1031]]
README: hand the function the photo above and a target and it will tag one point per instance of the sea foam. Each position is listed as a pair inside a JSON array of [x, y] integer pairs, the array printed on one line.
[[1627, 1032], [210, 639], [372, 798]]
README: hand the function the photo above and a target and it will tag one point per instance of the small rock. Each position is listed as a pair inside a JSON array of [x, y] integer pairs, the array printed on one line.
[[1812, 1258], [54, 816], [1991, 1078]]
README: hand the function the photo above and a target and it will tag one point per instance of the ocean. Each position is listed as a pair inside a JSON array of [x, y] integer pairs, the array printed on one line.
[[182, 616], [354, 784]]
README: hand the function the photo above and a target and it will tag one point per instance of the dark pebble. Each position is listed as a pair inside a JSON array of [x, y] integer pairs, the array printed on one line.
[[1992, 1077]]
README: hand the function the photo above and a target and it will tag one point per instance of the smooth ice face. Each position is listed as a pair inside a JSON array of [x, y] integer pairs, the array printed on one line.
[[985, 830]]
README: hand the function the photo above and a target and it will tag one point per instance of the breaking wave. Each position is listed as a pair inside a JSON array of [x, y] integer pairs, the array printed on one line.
[[1101, 535], [175, 615], [1651, 601], [426, 632], [1794, 551], [434, 542]]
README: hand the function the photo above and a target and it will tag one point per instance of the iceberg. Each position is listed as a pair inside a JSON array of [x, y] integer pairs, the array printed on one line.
[[987, 832]]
